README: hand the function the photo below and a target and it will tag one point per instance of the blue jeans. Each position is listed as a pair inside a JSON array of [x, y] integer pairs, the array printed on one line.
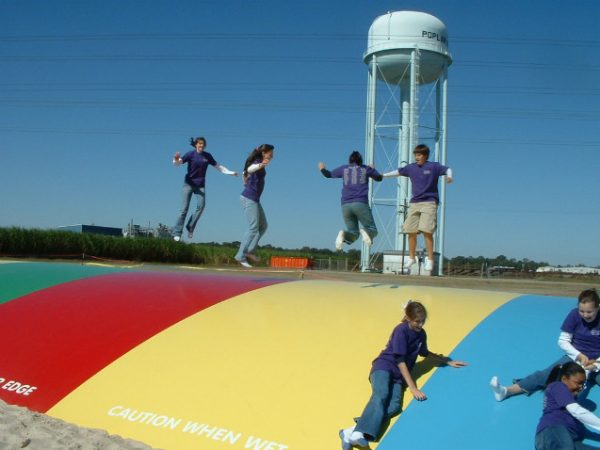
[[558, 438], [356, 212], [537, 380], [257, 226], [186, 196], [385, 403]]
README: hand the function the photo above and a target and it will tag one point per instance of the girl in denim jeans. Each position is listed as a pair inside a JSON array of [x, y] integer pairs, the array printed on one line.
[[390, 377], [254, 184], [197, 161], [579, 339], [355, 200]]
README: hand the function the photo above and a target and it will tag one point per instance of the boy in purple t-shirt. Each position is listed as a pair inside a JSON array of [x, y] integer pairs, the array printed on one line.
[[422, 212]]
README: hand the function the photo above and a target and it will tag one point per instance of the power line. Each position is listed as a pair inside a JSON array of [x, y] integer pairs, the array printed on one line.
[[463, 39], [572, 144], [203, 59], [178, 86], [560, 114]]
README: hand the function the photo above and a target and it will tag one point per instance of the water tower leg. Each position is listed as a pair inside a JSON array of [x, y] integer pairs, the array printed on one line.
[[365, 254]]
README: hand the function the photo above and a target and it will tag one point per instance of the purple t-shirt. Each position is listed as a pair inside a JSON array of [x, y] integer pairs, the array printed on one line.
[[556, 397], [255, 184], [197, 163], [586, 336], [356, 182], [424, 180], [404, 345]]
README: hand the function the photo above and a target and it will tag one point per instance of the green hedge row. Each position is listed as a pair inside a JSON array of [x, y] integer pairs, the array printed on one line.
[[38, 243]]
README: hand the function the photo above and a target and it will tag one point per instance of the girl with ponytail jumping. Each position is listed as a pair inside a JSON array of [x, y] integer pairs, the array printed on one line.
[[254, 184]]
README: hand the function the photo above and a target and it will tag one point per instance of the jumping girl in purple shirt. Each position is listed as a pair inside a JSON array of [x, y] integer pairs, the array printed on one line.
[[562, 423], [197, 162], [579, 339], [254, 184], [355, 199], [390, 377]]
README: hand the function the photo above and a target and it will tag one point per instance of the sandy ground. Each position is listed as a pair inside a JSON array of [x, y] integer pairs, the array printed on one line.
[[21, 428]]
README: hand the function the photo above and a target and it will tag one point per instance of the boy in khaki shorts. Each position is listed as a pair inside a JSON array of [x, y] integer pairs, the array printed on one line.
[[422, 212]]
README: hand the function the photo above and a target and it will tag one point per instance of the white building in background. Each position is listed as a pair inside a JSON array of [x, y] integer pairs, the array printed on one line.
[[573, 270]]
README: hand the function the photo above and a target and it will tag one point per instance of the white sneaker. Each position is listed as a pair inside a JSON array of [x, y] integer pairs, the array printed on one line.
[[246, 264], [408, 262], [500, 391], [345, 437], [428, 264], [358, 439], [176, 238], [339, 240], [366, 238]]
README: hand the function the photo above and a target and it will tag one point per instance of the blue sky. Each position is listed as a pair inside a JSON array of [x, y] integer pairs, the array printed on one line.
[[97, 96]]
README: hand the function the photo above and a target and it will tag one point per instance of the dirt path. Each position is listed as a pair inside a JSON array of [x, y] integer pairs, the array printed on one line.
[[567, 287]]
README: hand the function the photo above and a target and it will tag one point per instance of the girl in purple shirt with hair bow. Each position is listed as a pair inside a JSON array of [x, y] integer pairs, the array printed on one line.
[[390, 376]]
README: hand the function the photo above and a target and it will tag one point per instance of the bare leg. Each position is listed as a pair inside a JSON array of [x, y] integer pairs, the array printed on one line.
[[429, 244], [412, 245]]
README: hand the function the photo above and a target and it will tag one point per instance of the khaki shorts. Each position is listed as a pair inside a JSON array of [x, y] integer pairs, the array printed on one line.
[[421, 217]]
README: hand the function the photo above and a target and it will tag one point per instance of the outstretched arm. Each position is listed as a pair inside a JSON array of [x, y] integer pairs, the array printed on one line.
[[449, 178], [445, 360], [326, 173], [225, 171], [391, 174]]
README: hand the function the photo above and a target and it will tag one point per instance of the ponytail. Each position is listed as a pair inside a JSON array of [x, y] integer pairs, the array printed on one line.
[[254, 154], [563, 370], [251, 158]]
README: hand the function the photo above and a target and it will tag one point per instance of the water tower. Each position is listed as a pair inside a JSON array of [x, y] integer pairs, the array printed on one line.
[[405, 50]]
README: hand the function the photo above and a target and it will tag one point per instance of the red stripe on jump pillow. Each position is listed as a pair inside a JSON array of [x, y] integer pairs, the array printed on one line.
[[52, 340]]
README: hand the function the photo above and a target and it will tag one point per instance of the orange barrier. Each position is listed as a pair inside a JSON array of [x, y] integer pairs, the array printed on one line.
[[290, 262]]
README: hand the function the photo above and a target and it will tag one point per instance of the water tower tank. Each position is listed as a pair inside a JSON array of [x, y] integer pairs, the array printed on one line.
[[393, 37]]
